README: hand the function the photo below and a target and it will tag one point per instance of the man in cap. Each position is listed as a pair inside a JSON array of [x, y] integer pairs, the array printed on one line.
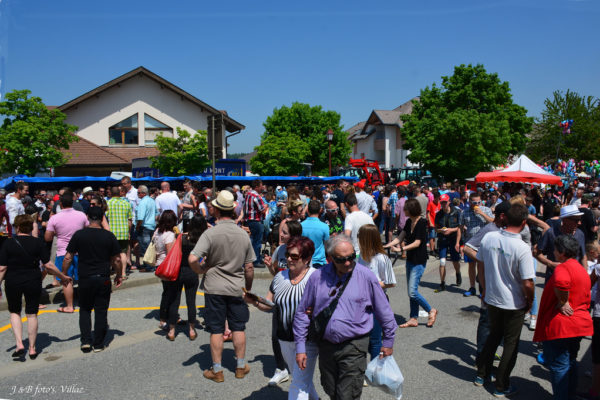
[[569, 221], [224, 254], [447, 225], [87, 197]]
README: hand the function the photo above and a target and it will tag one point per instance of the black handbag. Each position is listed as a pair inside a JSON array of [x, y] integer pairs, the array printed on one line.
[[318, 323]]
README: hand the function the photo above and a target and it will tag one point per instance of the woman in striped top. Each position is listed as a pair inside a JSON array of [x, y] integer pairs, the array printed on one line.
[[286, 291]]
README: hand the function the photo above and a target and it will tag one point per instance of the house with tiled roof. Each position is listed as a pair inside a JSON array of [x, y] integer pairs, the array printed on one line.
[[380, 137], [120, 120]]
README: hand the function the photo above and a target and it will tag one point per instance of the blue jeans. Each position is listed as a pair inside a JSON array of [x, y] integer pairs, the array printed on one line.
[[257, 229], [414, 272], [534, 305], [144, 238], [560, 357], [375, 341]]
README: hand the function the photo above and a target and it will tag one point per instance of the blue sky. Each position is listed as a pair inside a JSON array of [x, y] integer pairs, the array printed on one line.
[[250, 57]]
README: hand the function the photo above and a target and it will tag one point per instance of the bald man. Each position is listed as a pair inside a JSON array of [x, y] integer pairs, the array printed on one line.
[[167, 200]]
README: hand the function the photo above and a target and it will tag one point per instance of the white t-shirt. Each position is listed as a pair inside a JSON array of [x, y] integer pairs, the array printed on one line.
[[161, 240], [353, 223], [167, 201], [14, 207], [366, 203], [507, 262], [133, 198], [381, 265]]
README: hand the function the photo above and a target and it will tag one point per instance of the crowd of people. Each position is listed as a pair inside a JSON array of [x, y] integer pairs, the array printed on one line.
[[330, 250]]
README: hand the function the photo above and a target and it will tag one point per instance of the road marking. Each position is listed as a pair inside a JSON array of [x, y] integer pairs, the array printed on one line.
[[7, 327]]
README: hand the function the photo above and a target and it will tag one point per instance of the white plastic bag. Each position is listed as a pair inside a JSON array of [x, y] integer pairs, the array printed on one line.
[[385, 374]]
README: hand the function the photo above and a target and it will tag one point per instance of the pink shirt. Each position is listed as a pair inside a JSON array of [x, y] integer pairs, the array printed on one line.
[[64, 225]]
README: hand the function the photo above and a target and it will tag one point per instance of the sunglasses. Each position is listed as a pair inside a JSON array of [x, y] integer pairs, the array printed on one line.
[[334, 291], [332, 209], [342, 260], [293, 257]]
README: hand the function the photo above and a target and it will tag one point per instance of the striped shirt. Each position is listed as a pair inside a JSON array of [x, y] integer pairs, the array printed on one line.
[[286, 298], [253, 206], [119, 214]]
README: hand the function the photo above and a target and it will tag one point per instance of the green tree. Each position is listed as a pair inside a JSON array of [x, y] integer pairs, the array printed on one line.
[[32, 136], [185, 155], [467, 125], [297, 134], [548, 142]]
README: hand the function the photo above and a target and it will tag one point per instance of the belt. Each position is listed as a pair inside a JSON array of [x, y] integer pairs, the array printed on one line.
[[95, 276]]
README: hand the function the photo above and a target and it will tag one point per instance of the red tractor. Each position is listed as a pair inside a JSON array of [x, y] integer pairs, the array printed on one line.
[[371, 173]]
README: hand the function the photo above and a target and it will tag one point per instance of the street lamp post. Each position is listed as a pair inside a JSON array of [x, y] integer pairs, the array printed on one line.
[[330, 139]]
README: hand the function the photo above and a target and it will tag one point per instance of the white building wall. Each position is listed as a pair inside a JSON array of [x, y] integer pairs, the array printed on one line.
[[139, 94]]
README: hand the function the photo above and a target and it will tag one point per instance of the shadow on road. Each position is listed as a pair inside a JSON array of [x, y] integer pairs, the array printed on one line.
[[204, 361], [449, 288], [267, 362], [268, 392], [453, 368], [459, 347], [110, 335]]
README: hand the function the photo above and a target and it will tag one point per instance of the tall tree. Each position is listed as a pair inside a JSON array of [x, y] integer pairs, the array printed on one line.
[[549, 141], [467, 125], [186, 154], [297, 134], [32, 136]]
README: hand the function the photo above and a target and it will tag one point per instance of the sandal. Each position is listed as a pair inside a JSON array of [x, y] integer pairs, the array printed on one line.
[[411, 323], [432, 317]]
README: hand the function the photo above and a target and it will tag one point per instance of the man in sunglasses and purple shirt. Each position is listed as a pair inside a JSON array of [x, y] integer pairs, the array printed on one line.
[[343, 349]]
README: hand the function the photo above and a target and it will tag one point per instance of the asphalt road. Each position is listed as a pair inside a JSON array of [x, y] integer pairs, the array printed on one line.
[[140, 363]]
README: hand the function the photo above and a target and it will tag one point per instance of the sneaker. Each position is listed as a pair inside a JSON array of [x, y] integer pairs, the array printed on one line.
[[240, 373], [532, 323], [365, 383], [98, 348], [214, 376], [470, 292], [510, 391], [479, 381], [458, 279], [86, 348], [281, 375], [441, 288]]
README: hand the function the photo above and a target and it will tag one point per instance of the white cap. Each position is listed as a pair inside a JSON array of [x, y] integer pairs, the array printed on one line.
[[87, 189]]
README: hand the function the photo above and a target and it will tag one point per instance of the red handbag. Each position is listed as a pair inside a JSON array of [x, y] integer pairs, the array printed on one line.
[[168, 270]]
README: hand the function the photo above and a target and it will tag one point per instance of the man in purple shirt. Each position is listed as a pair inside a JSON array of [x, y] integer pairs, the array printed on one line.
[[343, 349]]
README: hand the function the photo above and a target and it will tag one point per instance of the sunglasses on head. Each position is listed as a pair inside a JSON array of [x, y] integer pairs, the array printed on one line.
[[334, 291], [342, 260], [294, 257]]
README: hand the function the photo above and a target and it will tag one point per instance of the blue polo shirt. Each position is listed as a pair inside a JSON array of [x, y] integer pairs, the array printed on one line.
[[318, 232], [146, 212]]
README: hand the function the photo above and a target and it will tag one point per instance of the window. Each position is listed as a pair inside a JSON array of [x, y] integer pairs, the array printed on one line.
[[125, 132], [153, 128]]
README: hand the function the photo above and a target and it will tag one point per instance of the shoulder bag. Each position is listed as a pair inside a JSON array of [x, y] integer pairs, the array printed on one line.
[[150, 254], [168, 270]]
